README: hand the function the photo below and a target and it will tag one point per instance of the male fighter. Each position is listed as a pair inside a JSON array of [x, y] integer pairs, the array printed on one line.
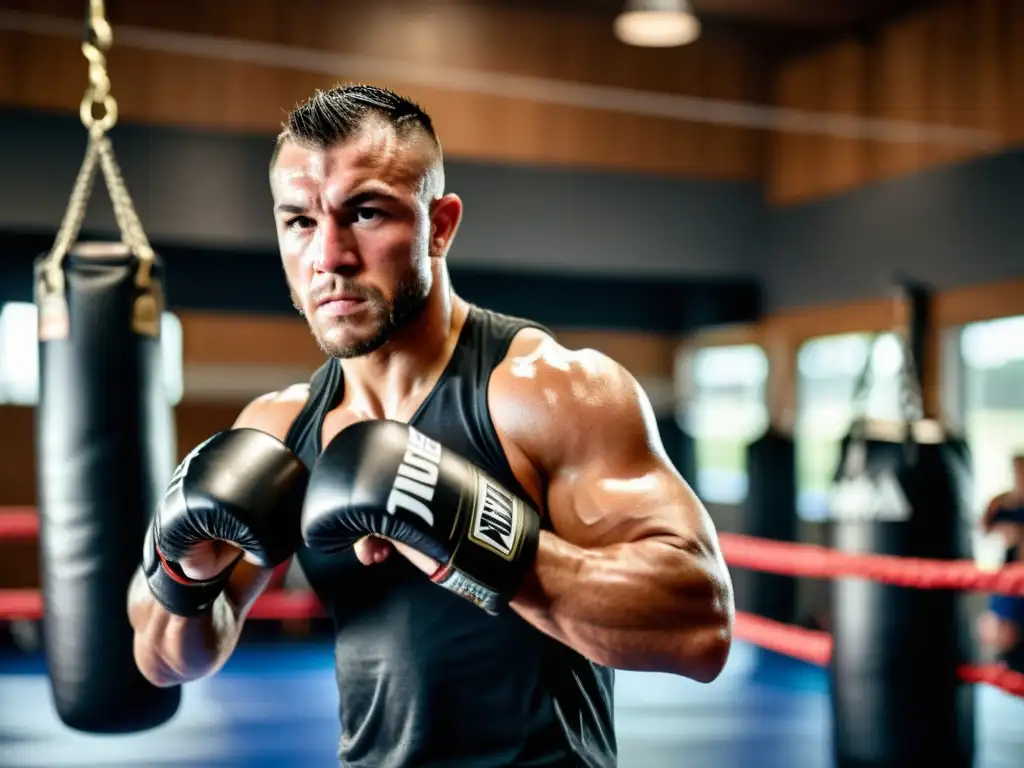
[[489, 518], [1001, 627]]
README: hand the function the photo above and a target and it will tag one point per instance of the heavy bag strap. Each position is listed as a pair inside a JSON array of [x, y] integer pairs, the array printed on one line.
[[98, 113], [854, 455], [909, 429]]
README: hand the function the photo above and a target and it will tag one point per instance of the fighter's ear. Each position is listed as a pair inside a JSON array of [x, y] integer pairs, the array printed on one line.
[[445, 216]]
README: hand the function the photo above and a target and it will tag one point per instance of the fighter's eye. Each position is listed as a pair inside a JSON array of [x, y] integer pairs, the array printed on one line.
[[368, 214], [300, 222]]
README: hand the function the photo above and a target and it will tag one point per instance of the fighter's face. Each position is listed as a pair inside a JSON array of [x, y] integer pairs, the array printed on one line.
[[353, 226]]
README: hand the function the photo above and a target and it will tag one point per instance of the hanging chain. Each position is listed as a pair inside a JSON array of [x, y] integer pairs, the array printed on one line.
[[73, 216], [99, 108], [863, 384], [98, 112], [124, 211], [911, 399]]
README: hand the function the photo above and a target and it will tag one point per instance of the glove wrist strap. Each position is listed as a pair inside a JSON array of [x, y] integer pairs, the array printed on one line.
[[176, 592], [478, 572], [465, 586]]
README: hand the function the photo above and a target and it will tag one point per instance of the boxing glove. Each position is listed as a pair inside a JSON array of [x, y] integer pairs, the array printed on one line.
[[242, 486], [386, 478]]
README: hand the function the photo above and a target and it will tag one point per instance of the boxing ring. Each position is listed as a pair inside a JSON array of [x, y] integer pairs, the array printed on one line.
[[82, 702], [276, 704]]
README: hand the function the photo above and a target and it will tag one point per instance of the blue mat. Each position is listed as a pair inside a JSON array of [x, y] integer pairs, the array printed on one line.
[[277, 707]]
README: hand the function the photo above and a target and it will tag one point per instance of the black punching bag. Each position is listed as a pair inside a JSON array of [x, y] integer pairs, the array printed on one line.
[[770, 513], [902, 489], [105, 451]]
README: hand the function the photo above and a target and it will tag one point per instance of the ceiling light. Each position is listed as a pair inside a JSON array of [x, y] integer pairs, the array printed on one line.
[[657, 23]]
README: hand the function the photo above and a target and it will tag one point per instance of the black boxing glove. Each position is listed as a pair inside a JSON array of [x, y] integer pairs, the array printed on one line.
[[386, 478], [241, 486]]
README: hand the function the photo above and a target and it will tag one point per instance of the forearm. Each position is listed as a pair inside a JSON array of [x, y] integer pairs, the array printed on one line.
[[651, 605], [172, 650]]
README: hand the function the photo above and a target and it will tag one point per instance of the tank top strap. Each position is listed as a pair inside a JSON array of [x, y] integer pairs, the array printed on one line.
[[457, 411], [303, 438], [493, 336]]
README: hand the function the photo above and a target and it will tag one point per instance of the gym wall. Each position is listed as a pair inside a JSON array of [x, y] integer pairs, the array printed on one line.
[[851, 212], [210, 191], [630, 231], [954, 63], [508, 82], [951, 226]]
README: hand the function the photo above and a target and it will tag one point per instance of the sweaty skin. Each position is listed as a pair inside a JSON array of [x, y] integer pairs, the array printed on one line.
[[630, 575]]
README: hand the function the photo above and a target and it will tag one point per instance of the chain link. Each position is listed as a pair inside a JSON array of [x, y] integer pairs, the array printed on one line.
[[71, 224], [124, 211], [862, 385], [99, 108], [910, 400], [99, 114]]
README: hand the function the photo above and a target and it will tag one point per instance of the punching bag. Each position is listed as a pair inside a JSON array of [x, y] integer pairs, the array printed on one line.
[[770, 513], [902, 488], [105, 452]]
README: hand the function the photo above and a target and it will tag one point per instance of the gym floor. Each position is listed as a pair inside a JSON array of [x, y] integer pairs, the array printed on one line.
[[275, 707]]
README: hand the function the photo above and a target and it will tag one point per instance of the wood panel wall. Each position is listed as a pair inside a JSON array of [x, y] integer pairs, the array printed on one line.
[[222, 91], [960, 63]]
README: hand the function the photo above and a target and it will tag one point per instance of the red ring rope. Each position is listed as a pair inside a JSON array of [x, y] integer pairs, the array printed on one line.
[[19, 523], [278, 605], [801, 560], [815, 562], [808, 645], [815, 647]]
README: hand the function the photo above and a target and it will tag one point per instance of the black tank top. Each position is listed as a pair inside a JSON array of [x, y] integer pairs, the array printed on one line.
[[424, 677]]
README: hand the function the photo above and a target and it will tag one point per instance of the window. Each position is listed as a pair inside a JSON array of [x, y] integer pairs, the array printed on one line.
[[992, 355], [724, 412], [19, 363], [827, 372]]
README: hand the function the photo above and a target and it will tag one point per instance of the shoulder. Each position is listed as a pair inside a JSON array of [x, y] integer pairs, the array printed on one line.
[[557, 399], [537, 366], [274, 412]]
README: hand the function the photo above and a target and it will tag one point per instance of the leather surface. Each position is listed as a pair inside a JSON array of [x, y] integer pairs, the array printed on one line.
[[105, 450]]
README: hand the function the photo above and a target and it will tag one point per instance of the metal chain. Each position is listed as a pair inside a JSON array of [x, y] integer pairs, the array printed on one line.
[[911, 398], [98, 113], [864, 382], [71, 224], [124, 211], [99, 108]]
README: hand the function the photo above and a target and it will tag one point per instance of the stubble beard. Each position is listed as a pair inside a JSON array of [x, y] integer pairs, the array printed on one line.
[[388, 317]]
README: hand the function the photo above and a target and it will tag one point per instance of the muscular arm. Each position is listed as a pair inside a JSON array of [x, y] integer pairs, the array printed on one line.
[[631, 575], [171, 650]]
